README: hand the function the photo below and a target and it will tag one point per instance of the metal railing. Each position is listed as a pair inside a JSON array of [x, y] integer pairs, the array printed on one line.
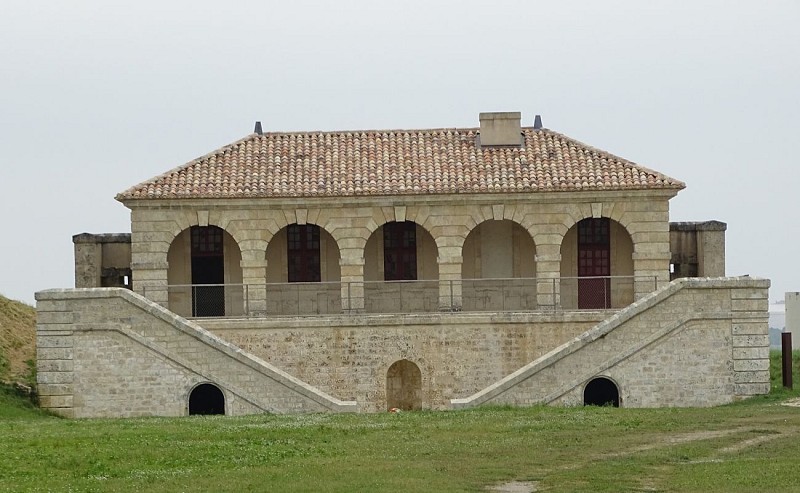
[[303, 298], [472, 295], [203, 300]]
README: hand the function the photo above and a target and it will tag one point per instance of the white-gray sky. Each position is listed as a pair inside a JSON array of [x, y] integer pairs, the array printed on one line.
[[96, 96]]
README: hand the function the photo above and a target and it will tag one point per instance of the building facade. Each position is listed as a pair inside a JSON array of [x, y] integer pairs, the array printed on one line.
[[415, 268]]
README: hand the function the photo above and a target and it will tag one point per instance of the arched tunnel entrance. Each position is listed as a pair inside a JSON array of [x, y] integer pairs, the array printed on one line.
[[601, 391], [206, 399]]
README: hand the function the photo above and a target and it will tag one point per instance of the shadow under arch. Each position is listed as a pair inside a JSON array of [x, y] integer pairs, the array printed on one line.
[[596, 265], [303, 271], [204, 273], [395, 252], [498, 270], [206, 399]]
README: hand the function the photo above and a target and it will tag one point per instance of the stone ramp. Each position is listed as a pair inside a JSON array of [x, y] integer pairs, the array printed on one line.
[[112, 352], [694, 342]]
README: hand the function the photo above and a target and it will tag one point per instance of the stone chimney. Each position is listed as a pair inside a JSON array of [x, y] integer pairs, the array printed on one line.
[[501, 129]]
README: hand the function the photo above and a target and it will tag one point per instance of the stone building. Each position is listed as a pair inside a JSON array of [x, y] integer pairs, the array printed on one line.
[[366, 270]]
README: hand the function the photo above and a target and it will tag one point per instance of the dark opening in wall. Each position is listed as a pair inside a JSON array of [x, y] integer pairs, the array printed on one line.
[[208, 267], [206, 399], [601, 392]]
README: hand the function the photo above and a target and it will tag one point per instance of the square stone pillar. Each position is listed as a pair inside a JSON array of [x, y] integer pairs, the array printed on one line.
[[54, 354], [650, 270], [450, 283], [150, 281], [254, 275], [88, 263], [548, 277], [711, 249], [792, 306], [352, 284]]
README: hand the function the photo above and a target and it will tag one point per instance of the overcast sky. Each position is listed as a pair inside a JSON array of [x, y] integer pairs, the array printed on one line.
[[96, 96]]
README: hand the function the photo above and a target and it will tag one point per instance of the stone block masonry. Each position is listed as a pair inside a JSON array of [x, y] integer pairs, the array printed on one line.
[[697, 342], [109, 352], [349, 356]]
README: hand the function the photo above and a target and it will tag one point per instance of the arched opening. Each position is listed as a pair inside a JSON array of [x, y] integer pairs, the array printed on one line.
[[206, 399], [499, 267], [596, 265], [306, 257], [404, 386], [601, 391], [400, 269], [205, 273]]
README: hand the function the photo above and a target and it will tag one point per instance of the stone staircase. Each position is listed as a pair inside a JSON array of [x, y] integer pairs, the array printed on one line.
[[113, 338], [694, 342]]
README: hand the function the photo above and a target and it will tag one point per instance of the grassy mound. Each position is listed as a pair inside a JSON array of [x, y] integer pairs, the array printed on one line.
[[17, 341], [14, 404]]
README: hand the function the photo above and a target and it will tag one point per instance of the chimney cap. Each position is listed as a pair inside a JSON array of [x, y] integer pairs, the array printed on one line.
[[258, 129], [537, 122], [500, 115]]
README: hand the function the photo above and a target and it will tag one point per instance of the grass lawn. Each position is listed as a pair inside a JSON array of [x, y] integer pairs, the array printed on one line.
[[748, 446]]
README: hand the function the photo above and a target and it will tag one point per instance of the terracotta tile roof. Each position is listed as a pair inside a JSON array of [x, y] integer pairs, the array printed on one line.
[[396, 162]]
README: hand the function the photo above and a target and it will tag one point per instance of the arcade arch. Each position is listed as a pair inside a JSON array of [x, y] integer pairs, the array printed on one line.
[[400, 251], [499, 267], [596, 265], [306, 257], [204, 273]]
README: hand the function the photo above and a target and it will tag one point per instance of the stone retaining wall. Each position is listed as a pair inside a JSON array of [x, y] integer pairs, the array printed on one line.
[[349, 356], [110, 352], [698, 342]]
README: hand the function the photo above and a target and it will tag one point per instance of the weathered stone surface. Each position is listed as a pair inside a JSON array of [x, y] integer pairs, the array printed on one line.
[[671, 348], [149, 364], [131, 357]]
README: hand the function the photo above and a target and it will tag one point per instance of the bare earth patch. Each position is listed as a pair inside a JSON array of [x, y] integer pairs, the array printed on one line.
[[515, 487], [792, 402]]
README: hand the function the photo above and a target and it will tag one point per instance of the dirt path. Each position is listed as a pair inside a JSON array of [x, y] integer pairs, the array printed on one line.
[[751, 437]]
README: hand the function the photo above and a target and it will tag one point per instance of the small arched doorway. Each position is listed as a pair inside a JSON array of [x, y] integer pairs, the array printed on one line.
[[601, 391], [404, 386], [206, 399]]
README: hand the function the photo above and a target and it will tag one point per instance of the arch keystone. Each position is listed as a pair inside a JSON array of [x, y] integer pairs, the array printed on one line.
[[202, 218]]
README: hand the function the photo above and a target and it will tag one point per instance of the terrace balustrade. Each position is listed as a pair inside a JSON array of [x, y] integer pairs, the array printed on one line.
[[468, 295]]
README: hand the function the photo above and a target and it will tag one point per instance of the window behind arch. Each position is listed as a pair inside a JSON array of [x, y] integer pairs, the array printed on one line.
[[303, 253], [400, 251], [208, 271], [594, 263]]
